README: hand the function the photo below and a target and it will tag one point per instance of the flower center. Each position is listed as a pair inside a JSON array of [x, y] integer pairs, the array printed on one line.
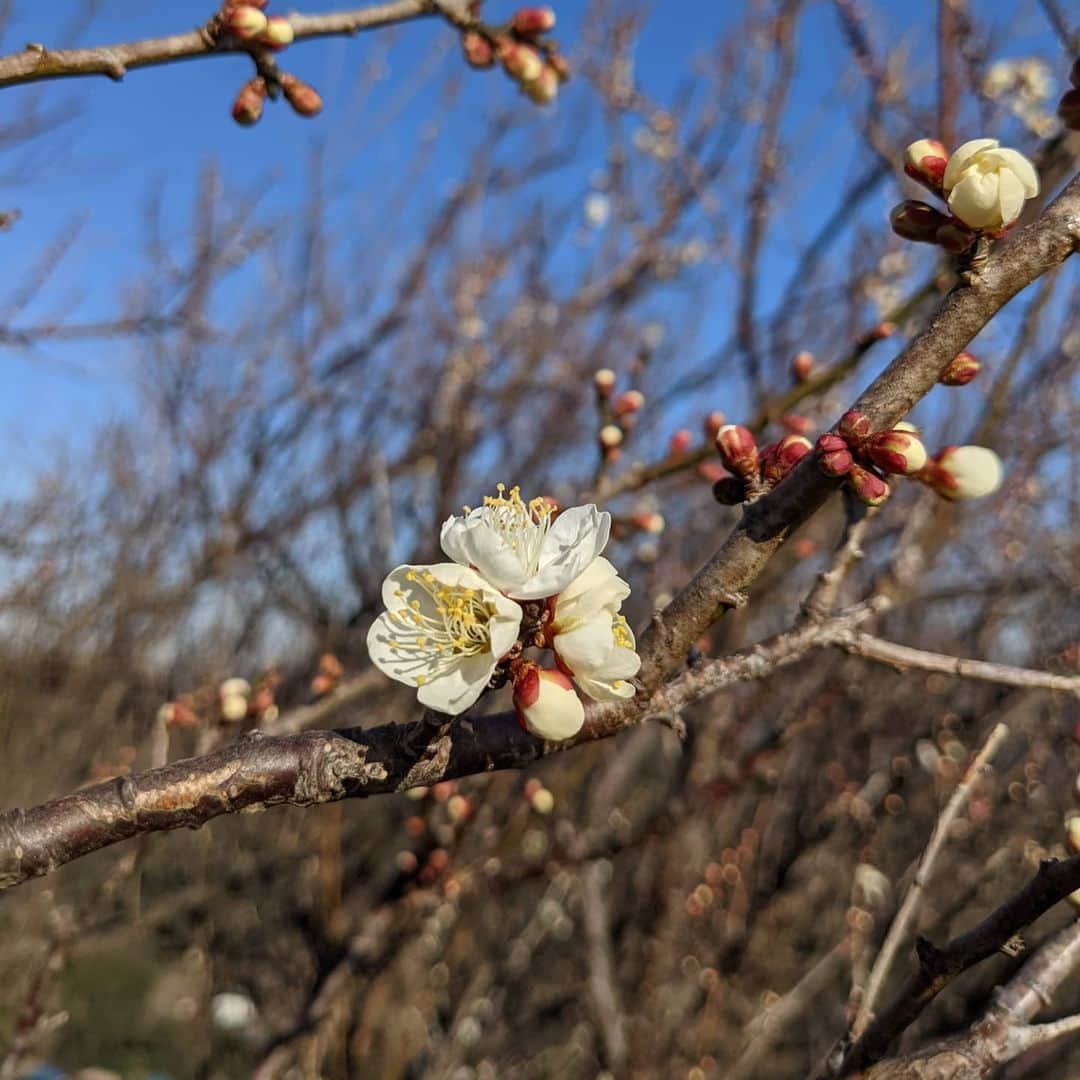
[[521, 525]]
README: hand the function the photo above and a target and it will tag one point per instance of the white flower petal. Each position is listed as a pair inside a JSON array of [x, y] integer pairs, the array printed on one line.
[[572, 542], [598, 586], [974, 200], [1015, 162], [962, 158], [587, 646], [460, 687], [1010, 196]]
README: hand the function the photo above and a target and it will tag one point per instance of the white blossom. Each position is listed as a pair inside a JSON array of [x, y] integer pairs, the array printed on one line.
[[547, 704], [444, 631], [591, 639], [986, 184], [523, 548], [966, 472]]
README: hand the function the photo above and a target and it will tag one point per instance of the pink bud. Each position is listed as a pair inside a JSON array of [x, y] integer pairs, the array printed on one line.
[[245, 21], [854, 427], [650, 523], [248, 106], [546, 703], [834, 455], [304, 99], [925, 161], [868, 486], [604, 381], [802, 365], [522, 62], [914, 220], [713, 423], [797, 424], [628, 403], [961, 370], [778, 459], [738, 450], [478, 51], [532, 20], [1069, 109], [680, 442], [897, 452], [278, 32], [883, 330]]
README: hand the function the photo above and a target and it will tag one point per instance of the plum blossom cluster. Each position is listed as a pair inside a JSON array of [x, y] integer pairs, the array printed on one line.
[[246, 22], [522, 574], [532, 60], [867, 458], [983, 184]]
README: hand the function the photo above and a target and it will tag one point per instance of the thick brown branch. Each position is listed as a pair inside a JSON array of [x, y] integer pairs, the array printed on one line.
[[36, 62]]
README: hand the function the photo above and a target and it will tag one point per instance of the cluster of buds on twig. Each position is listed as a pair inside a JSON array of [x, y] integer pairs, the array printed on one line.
[[754, 471], [247, 23], [532, 60], [984, 186], [864, 457], [618, 413], [1069, 105]]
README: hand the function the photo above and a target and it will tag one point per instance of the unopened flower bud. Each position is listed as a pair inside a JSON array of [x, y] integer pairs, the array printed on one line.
[[897, 452], [868, 486], [479, 52], [245, 21], [542, 801], [546, 703], [304, 99], [278, 32], [778, 459], [729, 491], [177, 714], [248, 106], [611, 436], [834, 455], [797, 424], [680, 442], [986, 184], [961, 370], [330, 666], [648, 522], [544, 88], [926, 161], [1069, 109], [604, 381], [713, 423], [738, 449], [963, 472], [802, 365], [854, 427], [522, 62], [914, 220], [532, 20], [906, 425], [628, 403], [955, 237], [883, 330]]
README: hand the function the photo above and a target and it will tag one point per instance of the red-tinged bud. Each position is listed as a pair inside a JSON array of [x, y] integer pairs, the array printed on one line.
[[802, 366], [680, 442], [611, 436], [522, 62], [963, 472], [604, 381], [834, 455], [245, 21], [532, 20], [278, 33], [543, 89], [738, 450], [883, 330], [962, 369], [546, 703], [304, 99], [177, 714], [712, 472], [897, 452], [650, 523], [628, 403], [322, 685], [914, 220], [248, 106], [804, 547], [560, 65], [479, 52], [778, 459], [330, 665], [796, 423], [854, 428], [868, 486], [955, 237], [925, 161], [713, 423], [1069, 109], [729, 491]]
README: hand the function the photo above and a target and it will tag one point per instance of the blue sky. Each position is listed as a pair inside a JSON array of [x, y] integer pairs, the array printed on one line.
[[161, 125]]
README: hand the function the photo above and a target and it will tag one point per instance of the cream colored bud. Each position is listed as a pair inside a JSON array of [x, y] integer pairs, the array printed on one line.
[[987, 184]]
